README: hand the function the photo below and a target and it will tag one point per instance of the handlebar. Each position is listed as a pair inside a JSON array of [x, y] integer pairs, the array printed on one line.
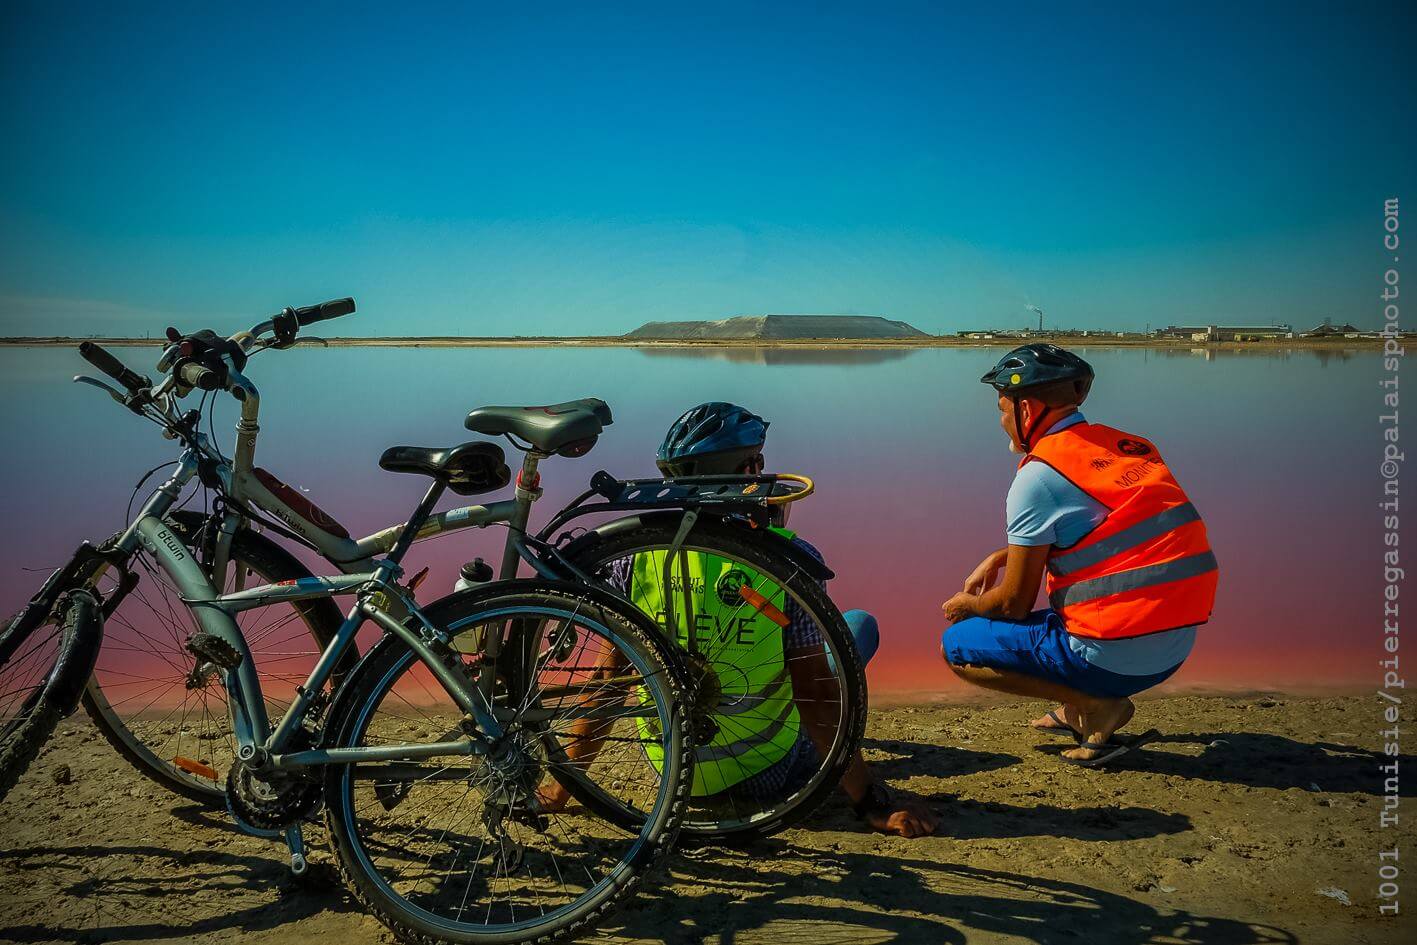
[[310, 314], [193, 374], [204, 361], [104, 360]]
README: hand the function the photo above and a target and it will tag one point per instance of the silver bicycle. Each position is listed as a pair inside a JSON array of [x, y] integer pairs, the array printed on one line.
[[427, 752]]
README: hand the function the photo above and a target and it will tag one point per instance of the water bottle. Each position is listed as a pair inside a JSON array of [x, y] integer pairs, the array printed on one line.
[[473, 574]]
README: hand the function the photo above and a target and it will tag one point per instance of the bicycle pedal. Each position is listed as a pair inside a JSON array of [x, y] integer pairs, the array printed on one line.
[[213, 649]]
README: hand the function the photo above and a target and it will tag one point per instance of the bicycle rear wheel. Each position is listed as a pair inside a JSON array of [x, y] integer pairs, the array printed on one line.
[[753, 777], [46, 658], [459, 848]]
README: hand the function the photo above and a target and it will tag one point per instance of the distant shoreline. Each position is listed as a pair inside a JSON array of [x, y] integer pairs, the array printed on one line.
[[601, 341]]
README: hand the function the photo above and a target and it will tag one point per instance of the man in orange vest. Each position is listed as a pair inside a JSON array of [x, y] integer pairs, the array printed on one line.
[[1130, 573]]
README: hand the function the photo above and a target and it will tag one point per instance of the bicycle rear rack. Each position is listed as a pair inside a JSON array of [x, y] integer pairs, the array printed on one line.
[[749, 496]]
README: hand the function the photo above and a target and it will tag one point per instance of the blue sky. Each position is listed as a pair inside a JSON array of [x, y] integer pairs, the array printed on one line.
[[578, 170]]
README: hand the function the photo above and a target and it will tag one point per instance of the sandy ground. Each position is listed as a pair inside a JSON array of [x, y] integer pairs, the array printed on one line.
[[1254, 821]]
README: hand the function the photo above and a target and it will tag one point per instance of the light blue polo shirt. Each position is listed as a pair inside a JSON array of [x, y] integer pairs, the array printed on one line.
[[1043, 508]]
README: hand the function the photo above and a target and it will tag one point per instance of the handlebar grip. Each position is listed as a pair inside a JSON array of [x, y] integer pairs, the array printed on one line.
[[104, 360], [324, 311], [195, 375]]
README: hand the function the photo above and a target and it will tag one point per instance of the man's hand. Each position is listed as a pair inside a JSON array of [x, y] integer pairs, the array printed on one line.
[[982, 577], [907, 817], [960, 606]]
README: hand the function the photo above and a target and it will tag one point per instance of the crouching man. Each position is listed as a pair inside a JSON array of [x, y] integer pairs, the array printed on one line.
[[1130, 573]]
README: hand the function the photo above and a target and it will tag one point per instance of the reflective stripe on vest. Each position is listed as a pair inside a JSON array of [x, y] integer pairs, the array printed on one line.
[[1148, 565], [1075, 559], [1136, 578], [757, 719]]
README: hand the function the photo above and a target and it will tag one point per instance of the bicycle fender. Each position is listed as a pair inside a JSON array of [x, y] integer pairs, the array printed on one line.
[[671, 518]]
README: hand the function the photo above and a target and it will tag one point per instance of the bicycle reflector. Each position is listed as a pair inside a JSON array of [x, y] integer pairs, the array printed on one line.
[[192, 766], [763, 606]]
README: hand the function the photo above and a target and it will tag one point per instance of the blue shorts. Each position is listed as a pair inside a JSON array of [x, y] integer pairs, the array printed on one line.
[[1038, 646]]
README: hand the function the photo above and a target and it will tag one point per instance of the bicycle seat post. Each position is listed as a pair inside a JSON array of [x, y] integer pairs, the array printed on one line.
[[528, 491]]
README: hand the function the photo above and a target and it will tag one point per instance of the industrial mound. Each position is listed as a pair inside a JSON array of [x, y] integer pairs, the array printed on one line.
[[779, 328]]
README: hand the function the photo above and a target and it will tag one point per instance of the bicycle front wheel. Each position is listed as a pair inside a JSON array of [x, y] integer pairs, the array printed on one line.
[[44, 660], [463, 848]]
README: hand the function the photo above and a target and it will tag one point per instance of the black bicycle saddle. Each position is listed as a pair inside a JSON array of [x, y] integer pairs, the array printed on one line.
[[569, 428]]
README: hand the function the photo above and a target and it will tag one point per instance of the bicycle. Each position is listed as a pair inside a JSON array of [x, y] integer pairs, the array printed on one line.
[[722, 517], [427, 753]]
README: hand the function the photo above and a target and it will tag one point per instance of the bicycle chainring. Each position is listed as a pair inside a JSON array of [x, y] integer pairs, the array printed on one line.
[[269, 805]]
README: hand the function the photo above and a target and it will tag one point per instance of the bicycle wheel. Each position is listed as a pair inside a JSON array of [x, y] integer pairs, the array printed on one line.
[[150, 699], [46, 660], [458, 848], [778, 697]]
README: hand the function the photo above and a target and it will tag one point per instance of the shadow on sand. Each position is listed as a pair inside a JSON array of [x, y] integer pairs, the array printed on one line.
[[970, 819], [1260, 760], [755, 895], [142, 900]]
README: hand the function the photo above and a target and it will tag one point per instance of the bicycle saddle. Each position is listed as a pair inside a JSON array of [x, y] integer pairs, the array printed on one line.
[[569, 429], [469, 469]]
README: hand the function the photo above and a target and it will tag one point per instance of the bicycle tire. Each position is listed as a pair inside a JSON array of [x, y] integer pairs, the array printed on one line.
[[271, 563], [79, 634], [593, 551], [376, 676]]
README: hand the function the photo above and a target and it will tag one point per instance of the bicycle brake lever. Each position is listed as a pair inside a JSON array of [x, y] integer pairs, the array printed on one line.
[[95, 382]]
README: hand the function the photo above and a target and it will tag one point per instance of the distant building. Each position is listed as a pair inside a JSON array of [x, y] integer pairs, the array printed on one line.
[[1329, 330], [984, 334], [1210, 333]]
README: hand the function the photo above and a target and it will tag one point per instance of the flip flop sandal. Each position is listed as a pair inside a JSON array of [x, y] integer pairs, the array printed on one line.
[[1062, 728], [1118, 749]]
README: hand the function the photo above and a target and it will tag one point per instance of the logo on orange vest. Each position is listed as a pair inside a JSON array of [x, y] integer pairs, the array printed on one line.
[[1101, 463], [728, 586], [1133, 447]]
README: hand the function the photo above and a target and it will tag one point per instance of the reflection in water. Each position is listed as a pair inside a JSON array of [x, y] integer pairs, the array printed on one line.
[[850, 357], [753, 354], [1322, 355]]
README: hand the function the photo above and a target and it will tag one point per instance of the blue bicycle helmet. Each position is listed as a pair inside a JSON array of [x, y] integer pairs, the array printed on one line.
[[711, 439]]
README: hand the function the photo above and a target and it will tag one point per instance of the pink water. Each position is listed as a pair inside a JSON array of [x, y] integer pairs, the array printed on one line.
[[1279, 453]]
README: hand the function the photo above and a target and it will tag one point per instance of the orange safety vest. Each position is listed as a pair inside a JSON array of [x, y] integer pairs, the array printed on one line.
[[1147, 567]]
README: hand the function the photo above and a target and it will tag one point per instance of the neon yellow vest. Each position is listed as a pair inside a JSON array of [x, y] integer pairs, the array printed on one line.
[[739, 632]]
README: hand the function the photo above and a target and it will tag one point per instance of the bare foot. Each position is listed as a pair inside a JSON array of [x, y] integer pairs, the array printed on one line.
[[1048, 723], [1098, 722]]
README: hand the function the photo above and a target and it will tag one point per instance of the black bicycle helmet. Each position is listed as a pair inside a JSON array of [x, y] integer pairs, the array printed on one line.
[[712, 438], [1030, 367], [1035, 365]]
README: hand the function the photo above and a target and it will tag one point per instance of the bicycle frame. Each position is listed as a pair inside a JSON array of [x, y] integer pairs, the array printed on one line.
[[216, 615], [373, 581]]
